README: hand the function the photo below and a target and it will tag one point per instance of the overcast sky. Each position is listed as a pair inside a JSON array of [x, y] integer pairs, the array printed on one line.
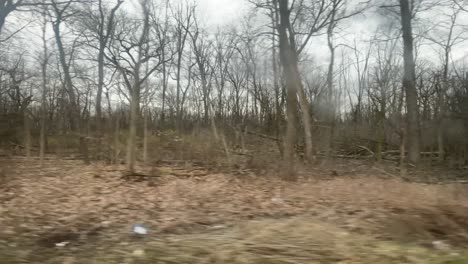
[[213, 12], [220, 12], [223, 11]]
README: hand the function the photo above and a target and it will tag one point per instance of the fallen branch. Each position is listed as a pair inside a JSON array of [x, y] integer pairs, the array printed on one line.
[[397, 153], [17, 145], [367, 149], [346, 156]]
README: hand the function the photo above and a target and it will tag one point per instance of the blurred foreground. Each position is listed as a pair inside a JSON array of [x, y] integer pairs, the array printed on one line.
[[69, 213]]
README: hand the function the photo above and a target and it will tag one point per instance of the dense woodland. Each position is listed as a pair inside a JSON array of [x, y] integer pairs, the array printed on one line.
[[104, 77], [170, 131]]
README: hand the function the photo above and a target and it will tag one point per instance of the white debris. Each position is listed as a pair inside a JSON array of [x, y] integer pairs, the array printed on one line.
[[62, 244], [106, 223], [140, 230], [440, 245], [217, 227]]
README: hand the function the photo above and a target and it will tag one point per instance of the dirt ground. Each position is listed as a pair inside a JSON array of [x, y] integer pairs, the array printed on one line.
[[66, 212]]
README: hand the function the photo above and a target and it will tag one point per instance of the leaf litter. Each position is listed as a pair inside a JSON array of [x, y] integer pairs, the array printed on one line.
[[207, 217]]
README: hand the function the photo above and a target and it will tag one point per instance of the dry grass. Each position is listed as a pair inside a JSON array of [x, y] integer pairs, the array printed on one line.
[[287, 241], [264, 220], [293, 240]]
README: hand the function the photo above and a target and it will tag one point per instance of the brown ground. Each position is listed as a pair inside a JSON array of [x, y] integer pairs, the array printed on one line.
[[195, 215]]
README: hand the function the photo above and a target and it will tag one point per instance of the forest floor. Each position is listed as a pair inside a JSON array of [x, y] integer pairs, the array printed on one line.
[[66, 212]]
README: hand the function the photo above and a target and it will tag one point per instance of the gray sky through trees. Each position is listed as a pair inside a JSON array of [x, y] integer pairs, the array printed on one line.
[[208, 59], [213, 12], [225, 14]]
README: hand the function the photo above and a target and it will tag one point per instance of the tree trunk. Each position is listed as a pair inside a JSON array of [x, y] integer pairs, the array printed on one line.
[[4, 12], [402, 153], [409, 84], [132, 136], [289, 63], [206, 103], [278, 93], [441, 105], [74, 108], [331, 110], [135, 91], [307, 122], [440, 142], [402, 128], [42, 135], [380, 130], [145, 137], [116, 139], [180, 46], [99, 98], [104, 33], [164, 91], [27, 133]]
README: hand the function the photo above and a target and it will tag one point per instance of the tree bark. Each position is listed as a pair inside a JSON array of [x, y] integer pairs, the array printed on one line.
[[103, 35], [307, 123], [409, 84], [135, 91], [132, 135], [145, 137], [330, 111], [278, 93], [116, 139], [164, 85], [6, 7], [74, 107], [42, 135], [289, 62], [27, 133]]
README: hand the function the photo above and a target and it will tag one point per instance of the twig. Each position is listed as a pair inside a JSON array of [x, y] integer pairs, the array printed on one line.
[[368, 150]]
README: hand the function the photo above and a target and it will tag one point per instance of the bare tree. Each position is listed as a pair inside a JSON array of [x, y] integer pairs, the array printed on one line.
[[9, 6], [44, 63], [102, 26], [183, 14], [288, 57], [449, 35], [133, 45], [462, 4], [303, 21], [384, 75], [409, 84], [224, 51], [59, 13], [202, 48], [163, 35], [331, 109], [20, 98]]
